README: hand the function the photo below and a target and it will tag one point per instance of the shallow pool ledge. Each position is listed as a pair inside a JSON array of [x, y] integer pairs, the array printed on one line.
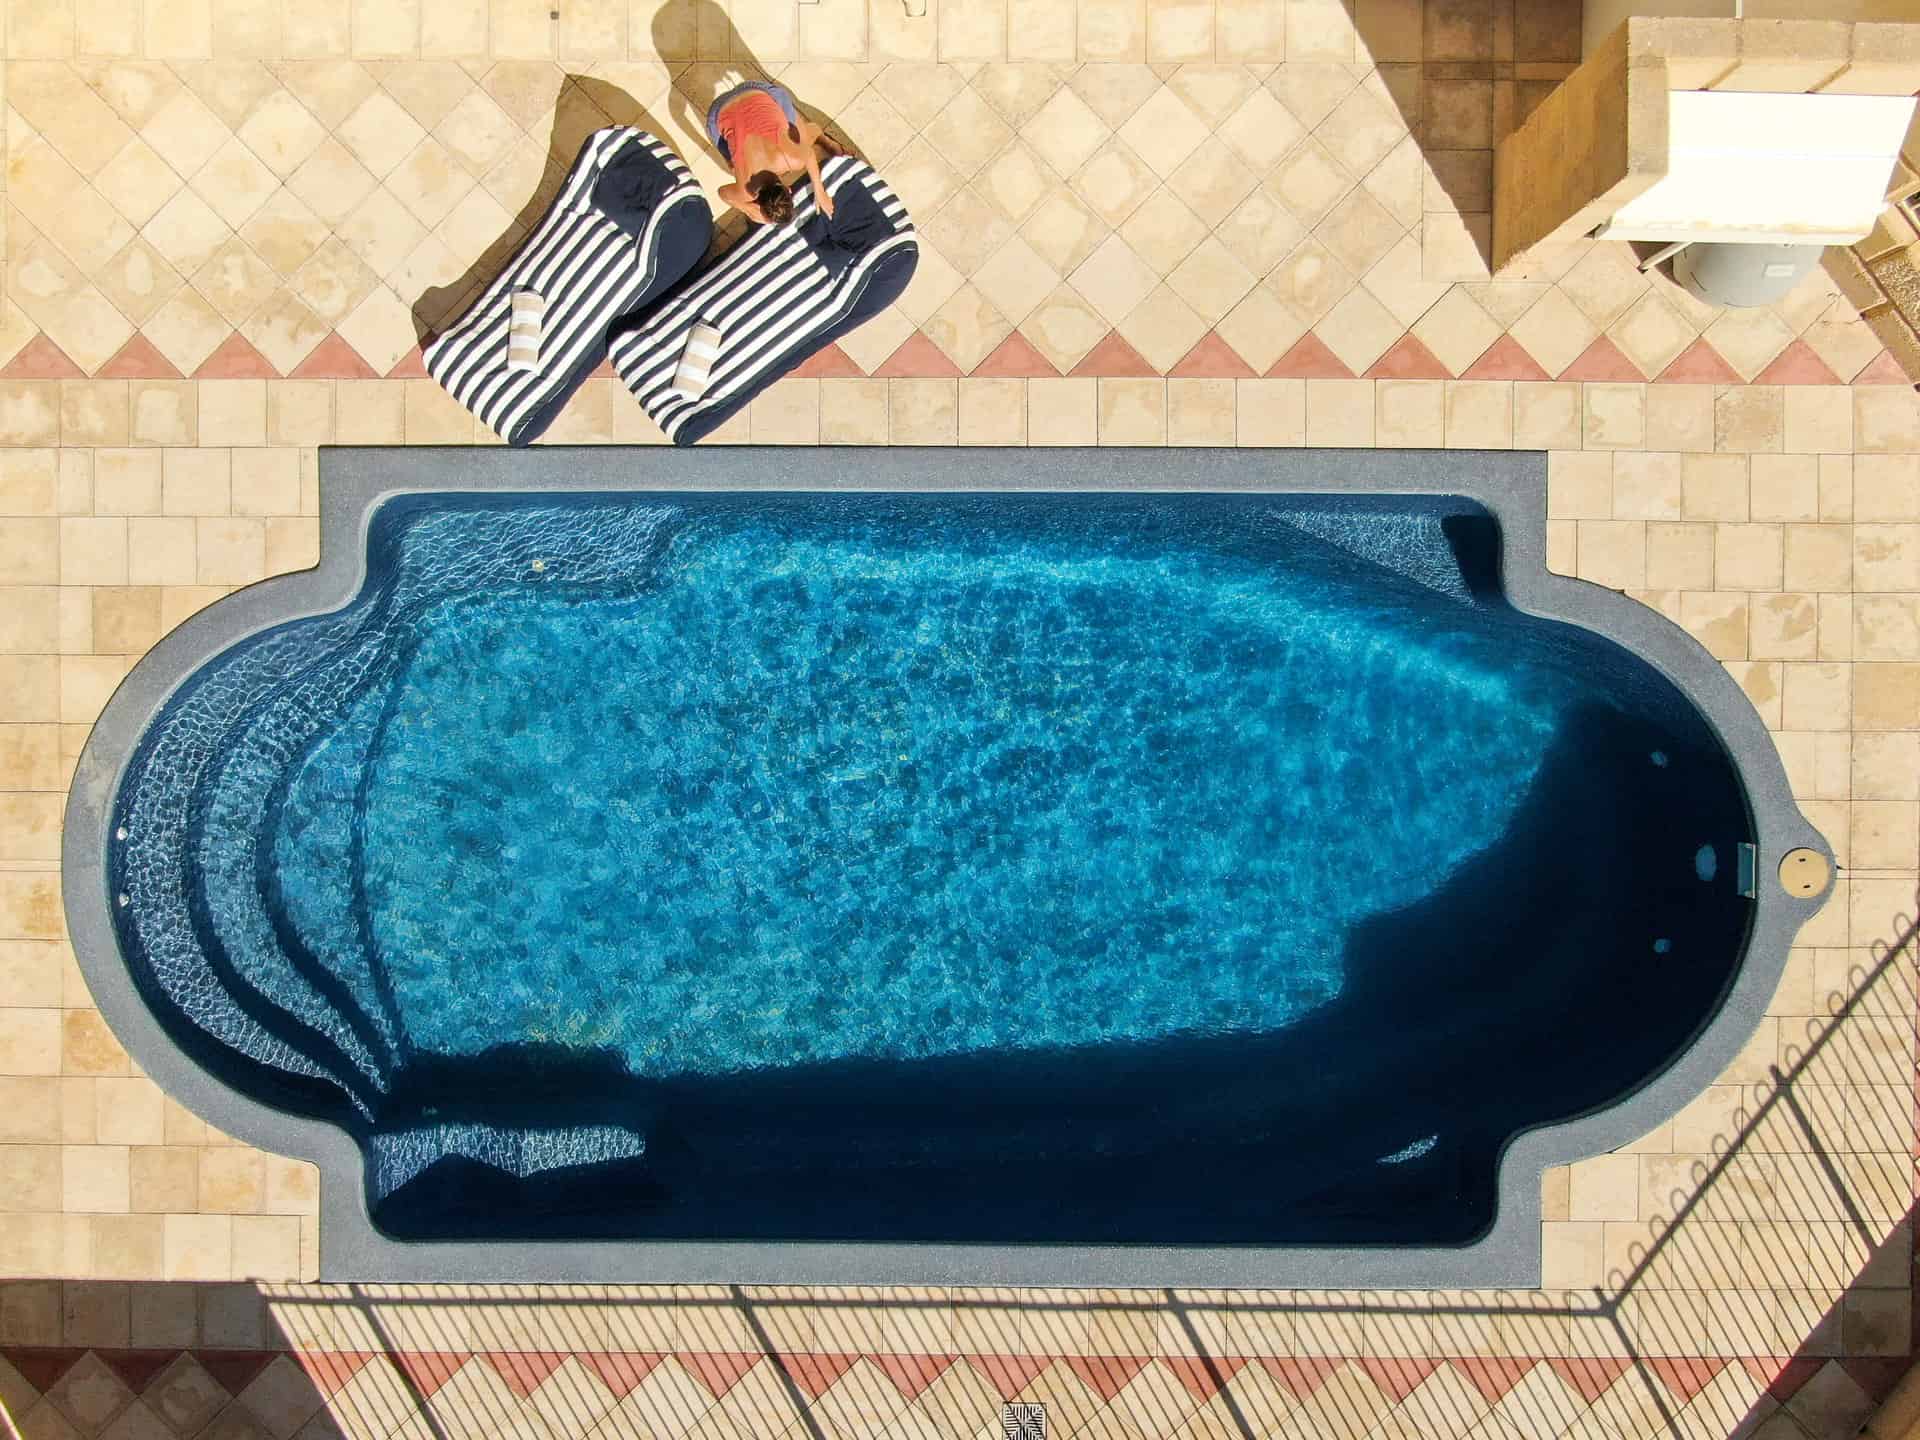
[[1509, 485]]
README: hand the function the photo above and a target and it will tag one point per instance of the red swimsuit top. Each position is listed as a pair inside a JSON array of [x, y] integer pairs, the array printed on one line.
[[753, 114]]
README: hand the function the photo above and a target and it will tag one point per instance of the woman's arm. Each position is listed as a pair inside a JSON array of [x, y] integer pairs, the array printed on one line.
[[808, 133]]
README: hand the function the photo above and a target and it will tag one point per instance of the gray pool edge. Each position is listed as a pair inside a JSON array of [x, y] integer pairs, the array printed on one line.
[[354, 481]]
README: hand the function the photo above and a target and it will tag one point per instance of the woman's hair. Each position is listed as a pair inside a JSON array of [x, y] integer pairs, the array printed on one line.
[[770, 193]]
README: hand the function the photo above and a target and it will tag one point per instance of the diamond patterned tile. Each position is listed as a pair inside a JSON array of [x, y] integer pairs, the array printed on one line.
[[919, 92], [138, 280], [235, 281], [1260, 329], [1163, 328], [967, 327], [381, 231], [1554, 331], [331, 183], [1016, 182], [1457, 331], [1359, 232], [185, 329], [967, 133], [1066, 132], [1113, 279], [1650, 334], [1064, 327], [1311, 91], [1017, 91], [137, 182], [1395, 183], [1016, 278], [1309, 183], [1114, 91], [281, 132], [1213, 91], [966, 231], [1605, 283], [1397, 282], [381, 328], [1213, 182], [1261, 130], [1358, 329], [333, 281], [380, 134], [284, 330], [234, 183], [1211, 280], [1360, 131], [186, 231], [1114, 183], [934, 281], [1163, 231], [1309, 281], [53, 99], [429, 182], [136, 89], [1748, 339], [1164, 132]]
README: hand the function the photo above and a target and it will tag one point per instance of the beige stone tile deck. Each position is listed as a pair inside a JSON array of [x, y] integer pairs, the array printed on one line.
[[1277, 203]]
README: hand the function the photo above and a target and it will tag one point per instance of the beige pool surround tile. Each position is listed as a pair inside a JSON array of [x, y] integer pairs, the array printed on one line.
[[181, 165]]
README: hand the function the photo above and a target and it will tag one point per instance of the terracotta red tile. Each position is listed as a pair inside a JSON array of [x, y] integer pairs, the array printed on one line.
[[1602, 360], [1782, 1375], [137, 360], [1883, 369], [1798, 364], [1300, 1374], [1686, 1378], [832, 363], [1108, 1374], [1592, 1377], [1699, 364], [1008, 1374], [1399, 1376], [1505, 359], [236, 359], [718, 1370], [918, 358], [911, 1374], [41, 359], [1309, 359], [136, 1368], [428, 1370], [41, 1366], [331, 1369], [604, 370], [235, 1369], [1205, 1375], [409, 366], [620, 1370], [817, 1374], [1212, 359], [525, 1371], [334, 359], [1408, 359], [1114, 357], [1492, 1377], [1015, 358]]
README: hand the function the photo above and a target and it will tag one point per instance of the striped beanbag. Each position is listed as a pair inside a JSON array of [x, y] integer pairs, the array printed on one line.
[[628, 223], [780, 295]]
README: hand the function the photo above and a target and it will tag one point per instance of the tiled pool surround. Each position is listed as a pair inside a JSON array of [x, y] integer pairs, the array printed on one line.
[[1508, 484]]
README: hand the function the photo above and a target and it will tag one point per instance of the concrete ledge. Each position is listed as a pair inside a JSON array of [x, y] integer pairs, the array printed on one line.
[[354, 482]]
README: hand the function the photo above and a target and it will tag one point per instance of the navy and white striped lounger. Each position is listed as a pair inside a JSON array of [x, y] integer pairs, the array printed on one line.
[[780, 295], [628, 223]]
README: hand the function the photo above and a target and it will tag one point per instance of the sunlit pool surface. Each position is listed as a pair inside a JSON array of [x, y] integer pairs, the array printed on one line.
[[1168, 869]]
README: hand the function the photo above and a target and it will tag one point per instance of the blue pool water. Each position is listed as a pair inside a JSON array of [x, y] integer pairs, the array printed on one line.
[[611, 857]]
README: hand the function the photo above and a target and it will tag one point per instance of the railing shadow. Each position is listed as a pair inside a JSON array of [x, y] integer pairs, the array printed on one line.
[[1797, 1229]]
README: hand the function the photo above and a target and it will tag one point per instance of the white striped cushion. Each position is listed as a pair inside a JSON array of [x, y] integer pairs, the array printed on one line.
[[589, 271], [767, 295]]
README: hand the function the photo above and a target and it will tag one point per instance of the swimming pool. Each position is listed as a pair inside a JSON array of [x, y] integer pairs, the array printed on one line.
[[1084, 878]]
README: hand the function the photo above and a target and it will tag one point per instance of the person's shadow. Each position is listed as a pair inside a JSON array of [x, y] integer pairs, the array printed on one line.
[[585, 104]]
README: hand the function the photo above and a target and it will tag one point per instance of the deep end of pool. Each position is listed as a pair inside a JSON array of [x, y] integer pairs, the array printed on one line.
[[1180, 868]]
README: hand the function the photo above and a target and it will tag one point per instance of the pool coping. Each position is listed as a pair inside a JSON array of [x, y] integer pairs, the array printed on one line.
[[354, 481]]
